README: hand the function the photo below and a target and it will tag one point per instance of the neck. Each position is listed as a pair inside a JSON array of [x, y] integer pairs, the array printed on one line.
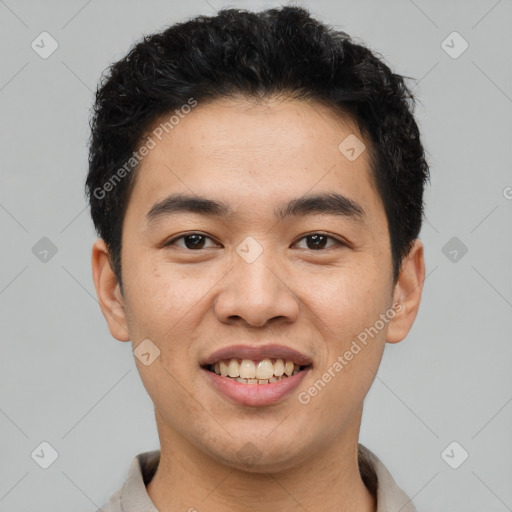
[[188, 479]]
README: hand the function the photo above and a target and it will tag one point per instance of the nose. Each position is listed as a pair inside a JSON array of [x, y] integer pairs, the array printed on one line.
[[257, 293]]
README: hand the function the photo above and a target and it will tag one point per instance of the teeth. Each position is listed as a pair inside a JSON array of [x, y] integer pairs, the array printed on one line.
[[265, 369], [224, 369], [279, 368], [247, 369], [233, 368], [255, 372], [259, 381]]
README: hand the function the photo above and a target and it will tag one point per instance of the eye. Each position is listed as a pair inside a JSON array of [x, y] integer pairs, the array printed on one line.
[[192, 241], [196, 241], [317, 241]]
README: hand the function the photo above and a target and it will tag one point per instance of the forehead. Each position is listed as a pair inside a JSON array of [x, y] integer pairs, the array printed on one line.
[[252, 154]]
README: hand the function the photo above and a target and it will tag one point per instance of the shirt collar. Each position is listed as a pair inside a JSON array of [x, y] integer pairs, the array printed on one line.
[[378, 480]]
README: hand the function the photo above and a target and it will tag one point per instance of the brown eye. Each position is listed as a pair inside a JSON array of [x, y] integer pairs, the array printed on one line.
[[318, 241], [191, 241]]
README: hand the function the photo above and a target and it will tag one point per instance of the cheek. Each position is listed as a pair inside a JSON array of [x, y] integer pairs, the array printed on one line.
[[166, 306], [348, 299], [159, 297], [349, 305]]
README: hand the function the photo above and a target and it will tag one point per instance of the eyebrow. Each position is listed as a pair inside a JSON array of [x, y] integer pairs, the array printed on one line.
[[326, 203]]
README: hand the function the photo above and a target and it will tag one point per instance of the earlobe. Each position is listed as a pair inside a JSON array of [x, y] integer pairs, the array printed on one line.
[[107, 289], [407, 293]]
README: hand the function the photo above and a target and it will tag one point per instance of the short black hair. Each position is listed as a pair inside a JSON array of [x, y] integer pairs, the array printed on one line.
[[276, 52]]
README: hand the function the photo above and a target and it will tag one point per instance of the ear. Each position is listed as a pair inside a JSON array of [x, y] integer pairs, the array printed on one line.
[[407, 293], [108, 292]]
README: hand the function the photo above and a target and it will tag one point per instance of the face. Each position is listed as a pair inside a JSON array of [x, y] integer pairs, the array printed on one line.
[[288, 258]]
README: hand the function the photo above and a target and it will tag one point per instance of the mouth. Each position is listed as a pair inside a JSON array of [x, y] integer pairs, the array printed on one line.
[[256, 376], [249, 371]]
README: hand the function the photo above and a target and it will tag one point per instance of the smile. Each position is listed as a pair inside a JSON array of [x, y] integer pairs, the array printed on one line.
[[255, 375], [248, 371]]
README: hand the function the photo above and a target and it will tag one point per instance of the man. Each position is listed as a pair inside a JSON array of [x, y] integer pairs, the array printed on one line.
[[257, 183]]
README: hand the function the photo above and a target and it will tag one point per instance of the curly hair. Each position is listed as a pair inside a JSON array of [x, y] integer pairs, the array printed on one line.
[[283, 52]]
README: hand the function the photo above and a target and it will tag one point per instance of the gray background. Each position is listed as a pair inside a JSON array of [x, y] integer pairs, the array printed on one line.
[[65, 381]]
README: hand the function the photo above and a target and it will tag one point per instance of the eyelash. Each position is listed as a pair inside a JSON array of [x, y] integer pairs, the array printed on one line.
[[174, 240]]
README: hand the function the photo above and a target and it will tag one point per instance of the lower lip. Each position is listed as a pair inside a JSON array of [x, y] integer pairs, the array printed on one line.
[[255, 395]]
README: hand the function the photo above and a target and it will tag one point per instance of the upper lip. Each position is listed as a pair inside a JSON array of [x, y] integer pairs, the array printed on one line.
[[257, 353]]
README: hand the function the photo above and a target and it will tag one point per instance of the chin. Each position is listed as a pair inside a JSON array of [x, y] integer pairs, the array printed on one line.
[[259, 455]]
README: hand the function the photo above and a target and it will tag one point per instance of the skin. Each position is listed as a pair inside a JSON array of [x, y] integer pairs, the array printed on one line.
[[190, 302]]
